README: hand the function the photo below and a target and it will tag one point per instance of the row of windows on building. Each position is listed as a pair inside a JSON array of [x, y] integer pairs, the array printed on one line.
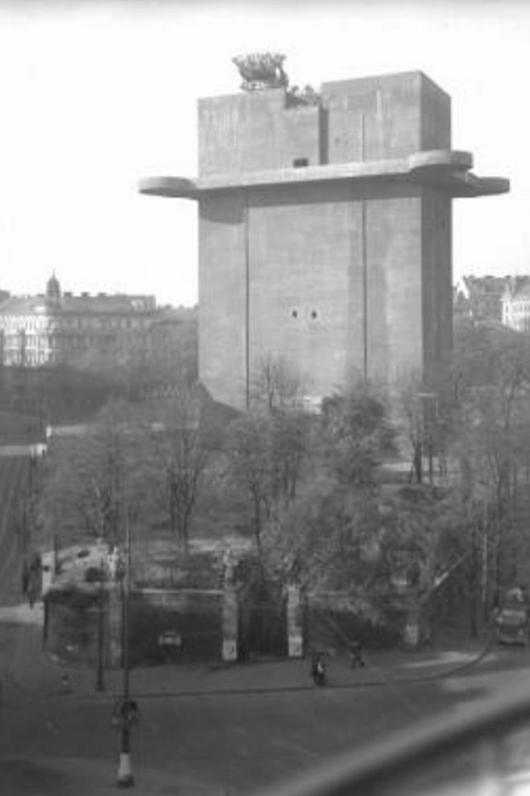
[[44, 322], [24, 339], [517, 316]]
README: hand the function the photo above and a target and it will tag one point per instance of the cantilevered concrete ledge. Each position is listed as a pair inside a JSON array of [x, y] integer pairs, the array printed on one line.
[[445, 169]]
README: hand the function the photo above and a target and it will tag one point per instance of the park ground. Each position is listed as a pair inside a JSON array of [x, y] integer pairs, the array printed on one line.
[[217, 729]]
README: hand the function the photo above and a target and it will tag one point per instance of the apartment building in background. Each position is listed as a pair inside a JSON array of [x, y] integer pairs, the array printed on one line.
[[516, 303], [57, 327], [479, 297]]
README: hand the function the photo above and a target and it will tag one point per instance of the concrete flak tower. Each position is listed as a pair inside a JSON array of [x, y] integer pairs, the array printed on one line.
[[325, 229]]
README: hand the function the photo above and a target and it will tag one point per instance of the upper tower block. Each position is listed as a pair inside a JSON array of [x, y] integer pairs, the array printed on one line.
[[374, 118], [378, 118], [265, 127]]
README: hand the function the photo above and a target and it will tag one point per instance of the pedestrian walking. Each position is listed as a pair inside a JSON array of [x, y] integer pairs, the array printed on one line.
[[356, 654], [32, 595], [318, 669], [25, 578]]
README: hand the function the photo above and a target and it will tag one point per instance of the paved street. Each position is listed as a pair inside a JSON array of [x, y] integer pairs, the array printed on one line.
[[227, 727]]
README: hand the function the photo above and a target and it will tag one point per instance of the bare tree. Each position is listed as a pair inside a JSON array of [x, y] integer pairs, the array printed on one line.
[[278, 396], [277, 385], [420, 420], [92, 477], [178, 442], [251, 464]]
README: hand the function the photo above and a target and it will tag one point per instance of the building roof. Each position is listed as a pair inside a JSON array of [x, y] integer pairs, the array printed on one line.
[[517, 288], [22, 305], [107, 303], [81, 304], [485, 285]]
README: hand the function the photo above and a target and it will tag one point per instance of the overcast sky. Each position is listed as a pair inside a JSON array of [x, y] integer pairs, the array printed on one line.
[[96, 95]]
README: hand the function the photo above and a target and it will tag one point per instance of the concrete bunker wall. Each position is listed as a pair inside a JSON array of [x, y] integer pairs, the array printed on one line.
[[336, 279]]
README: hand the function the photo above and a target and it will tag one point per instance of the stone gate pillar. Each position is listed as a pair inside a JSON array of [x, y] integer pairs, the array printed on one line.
[[230, 610], [230, 623], [295, 621], [114, 627]]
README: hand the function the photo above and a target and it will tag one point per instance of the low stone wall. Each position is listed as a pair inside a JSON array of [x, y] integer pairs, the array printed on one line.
[[71, 622], [180, 626], [177, 626]]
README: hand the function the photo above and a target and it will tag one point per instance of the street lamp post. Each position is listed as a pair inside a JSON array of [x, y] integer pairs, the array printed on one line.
[[100, 682], [127, 709]]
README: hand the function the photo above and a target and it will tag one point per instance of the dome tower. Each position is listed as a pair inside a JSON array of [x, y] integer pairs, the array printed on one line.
[[53, 294]]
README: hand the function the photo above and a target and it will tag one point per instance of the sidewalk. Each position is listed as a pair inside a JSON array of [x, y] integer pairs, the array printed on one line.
[[35, 672], [65, 776]]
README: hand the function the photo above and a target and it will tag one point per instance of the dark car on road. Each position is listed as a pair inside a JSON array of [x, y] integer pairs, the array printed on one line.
[[512, 625]]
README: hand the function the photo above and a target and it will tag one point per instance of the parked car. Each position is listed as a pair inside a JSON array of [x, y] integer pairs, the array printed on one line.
[[512, 624]]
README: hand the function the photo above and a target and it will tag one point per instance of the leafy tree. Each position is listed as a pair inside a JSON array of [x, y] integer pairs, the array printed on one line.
[[462, 557], [491, 386], [362, 542], [267, 446], [331, 528], [352, 532], [356, 435]]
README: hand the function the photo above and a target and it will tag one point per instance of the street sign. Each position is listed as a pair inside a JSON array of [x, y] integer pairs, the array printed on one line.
[[170, 639]]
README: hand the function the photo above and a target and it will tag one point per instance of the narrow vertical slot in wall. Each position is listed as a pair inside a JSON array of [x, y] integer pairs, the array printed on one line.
[[246, 221], [364, 263]]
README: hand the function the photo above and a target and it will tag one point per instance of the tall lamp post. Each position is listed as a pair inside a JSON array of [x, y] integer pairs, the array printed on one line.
[[126, 713], [100, 681]]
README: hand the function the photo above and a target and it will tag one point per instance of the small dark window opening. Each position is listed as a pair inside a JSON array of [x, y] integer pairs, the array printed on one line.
[[300, 162], [314, 314], [294, 313]]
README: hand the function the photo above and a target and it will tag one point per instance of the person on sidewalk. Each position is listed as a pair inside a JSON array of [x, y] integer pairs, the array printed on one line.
[[318, 669], [356, 655], [25, 578], [32, 595]]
